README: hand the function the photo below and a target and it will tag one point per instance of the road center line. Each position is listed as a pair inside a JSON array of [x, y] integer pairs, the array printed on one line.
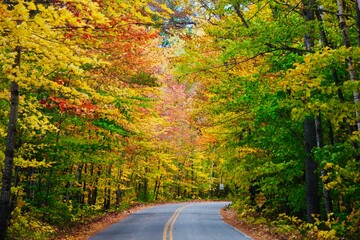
[[170, 223]]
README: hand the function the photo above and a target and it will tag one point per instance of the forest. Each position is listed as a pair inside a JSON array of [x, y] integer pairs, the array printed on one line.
[[108, 103]]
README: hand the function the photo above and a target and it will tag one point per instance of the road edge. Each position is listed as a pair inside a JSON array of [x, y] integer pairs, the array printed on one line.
[[229, 216]]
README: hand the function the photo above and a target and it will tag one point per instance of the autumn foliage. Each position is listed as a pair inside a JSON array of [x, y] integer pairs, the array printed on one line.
[[278, 93], [108, 103], [91, 113]]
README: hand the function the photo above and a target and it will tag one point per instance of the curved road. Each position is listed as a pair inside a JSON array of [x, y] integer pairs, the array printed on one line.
[[183, 221]]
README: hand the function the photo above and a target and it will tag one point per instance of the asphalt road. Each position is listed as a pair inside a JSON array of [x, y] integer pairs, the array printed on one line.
[[183, 221]]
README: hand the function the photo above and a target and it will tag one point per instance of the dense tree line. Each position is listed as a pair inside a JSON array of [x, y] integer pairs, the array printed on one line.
[[279, 82]]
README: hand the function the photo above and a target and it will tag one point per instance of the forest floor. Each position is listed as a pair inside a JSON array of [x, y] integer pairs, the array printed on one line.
[[255, 231], [85, 230]]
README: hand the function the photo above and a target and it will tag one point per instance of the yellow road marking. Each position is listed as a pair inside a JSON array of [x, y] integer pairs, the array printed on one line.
[[173, 222], [170, 223]]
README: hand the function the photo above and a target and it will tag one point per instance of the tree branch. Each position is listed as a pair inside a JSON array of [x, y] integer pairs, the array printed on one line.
[[287, 48], [240, 15], [227, 64]]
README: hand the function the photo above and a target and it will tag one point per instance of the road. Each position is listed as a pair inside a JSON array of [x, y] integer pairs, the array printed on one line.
[[183, 221]]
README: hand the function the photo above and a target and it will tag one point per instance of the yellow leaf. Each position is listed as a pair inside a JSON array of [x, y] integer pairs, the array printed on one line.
[[21, 9], [39, 21], [31, 6], [79, 6]]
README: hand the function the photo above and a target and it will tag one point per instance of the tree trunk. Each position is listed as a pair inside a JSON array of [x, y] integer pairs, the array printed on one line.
[[95, 191], [91, 184], [311, 177], [351, 68], [318, 131], [78, 194], [5, 196], [118, 193], [84, 186], [157, 186], [320, 144], [145, 189], [107, 191], [9, 161]]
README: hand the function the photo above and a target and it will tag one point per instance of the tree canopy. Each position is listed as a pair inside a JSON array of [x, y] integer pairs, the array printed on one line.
[[107, 103]]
